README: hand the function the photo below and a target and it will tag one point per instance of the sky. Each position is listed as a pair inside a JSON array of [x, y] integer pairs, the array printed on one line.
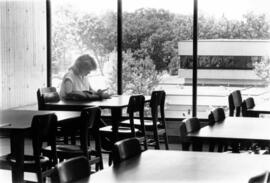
[[233, 9]]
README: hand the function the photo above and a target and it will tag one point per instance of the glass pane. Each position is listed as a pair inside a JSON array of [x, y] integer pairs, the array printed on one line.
[[233, 51], [83, 27], [151, 32]]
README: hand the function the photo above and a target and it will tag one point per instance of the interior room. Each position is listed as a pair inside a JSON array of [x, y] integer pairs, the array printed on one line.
[[121, 90]]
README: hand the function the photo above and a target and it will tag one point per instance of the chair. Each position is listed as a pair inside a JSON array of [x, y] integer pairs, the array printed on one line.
[[190, 125], [43, 129], [126, 149], [71, 170], [155, 127], [216, 116], [261, 178], [46, 94], [88, 122], [248, 104], [136, 105], [235, 103]]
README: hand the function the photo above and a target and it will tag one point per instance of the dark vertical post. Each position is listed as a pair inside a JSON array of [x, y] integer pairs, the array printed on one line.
[[195, 56], [119, 47], [48, 27]]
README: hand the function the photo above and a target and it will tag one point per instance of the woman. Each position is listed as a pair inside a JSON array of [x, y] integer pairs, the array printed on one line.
[[75, 85]]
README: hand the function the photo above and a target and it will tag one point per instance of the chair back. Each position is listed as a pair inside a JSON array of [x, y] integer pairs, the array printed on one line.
[[235, 103], [71, 170], [136, 104], [192, 124], [158, 102], [46, 94], [183, 137], [43, 129], [247, 104], [125, 149], [217, 115], [188, 126], [88, 120], [261, 178]]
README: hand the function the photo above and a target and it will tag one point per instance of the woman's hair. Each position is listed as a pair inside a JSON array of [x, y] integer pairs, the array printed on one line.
[[83, 62]]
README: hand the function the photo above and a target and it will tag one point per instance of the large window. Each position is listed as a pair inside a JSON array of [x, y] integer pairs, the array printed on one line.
[[233, 44], [84, 27], [157, 48], [151, 32]]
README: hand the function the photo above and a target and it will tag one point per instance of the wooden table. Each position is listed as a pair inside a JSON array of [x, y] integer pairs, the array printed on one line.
[[239, 128], [115, 104], [263, 108], [17, 123], [184, 166]]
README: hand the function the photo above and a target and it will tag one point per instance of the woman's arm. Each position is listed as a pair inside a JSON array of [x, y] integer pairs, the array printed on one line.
[[70, 94]]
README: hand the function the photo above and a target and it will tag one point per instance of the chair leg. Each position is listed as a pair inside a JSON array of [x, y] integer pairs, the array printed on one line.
[[156, 138], [166, 141], [110, 159]]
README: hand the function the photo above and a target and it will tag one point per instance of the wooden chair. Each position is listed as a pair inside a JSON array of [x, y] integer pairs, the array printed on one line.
[[188, 126], [261, 178], [71, 170], [216, 116], [248, 104], [126, 149], [235, 103], [88, 122], [155, 127], [46, 94], [43, 130], [136, 105]]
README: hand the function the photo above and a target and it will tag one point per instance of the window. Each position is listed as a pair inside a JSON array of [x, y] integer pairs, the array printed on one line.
[[233, 44], [151, 32], [80, 27]]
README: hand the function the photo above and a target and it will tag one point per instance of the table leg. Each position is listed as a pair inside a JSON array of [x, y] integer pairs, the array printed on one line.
[[17, 151], [116, 118]]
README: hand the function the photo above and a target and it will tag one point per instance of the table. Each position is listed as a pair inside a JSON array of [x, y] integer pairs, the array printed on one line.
[[263, 108], [115, 104], [184, 166], [17, 123], [234, 130]]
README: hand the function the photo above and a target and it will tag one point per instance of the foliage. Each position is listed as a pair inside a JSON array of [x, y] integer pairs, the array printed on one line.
[[139, 76], [150, 40], [262, 69]]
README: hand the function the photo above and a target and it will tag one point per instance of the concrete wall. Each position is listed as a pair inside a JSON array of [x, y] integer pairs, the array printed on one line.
[[23, 51]]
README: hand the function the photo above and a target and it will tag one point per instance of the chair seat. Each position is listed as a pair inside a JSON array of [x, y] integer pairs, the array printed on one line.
[[30, 161], [121, 130], [74, 150], [137, 122]]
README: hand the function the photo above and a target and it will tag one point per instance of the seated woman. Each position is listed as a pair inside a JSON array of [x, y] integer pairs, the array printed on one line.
[[75, 85]]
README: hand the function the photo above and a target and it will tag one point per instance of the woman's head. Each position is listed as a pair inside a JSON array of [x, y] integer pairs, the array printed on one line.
[[84, 64]]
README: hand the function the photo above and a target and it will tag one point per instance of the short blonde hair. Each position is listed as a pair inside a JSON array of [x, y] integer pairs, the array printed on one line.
[[84, 62]]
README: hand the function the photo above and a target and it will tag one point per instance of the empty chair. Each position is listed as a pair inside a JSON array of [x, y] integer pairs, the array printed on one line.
[[126, 149], [156, 126], [262, 178], [235, 103], [190, 125], [216, 115], [43, 129], [71, 170], [248, 104], [136, 105], [88, 122], [46, 94]]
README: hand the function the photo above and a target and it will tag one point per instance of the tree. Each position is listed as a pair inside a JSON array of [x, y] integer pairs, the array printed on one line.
[[139, 76], [98, 34]]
